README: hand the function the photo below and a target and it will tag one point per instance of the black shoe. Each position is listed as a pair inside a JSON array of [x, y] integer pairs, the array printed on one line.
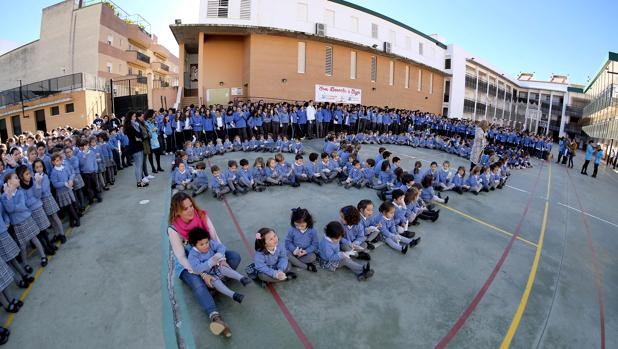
[[28, 269], [290, 275], [193, 194], [492, 188], [238, 297], [295, 184], [363, 256], [475, 192], [370, 246], [154, 171], [415, 242], [160, 170], [446, 200], [415, 222], [311, 267], [106, 188], [434, 219], [404, 249], [245, 281], [382, 195], [318, 182], [43, 261], [408, 234]]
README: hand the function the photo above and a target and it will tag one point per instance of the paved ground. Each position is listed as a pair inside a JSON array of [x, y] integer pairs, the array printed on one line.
[[106, 283]]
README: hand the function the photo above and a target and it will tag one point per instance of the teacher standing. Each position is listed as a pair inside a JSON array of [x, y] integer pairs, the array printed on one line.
[[480, 141]]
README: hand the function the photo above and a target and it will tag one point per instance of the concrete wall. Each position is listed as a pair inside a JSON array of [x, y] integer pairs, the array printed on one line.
[[224, 61], [19, 64], [169, 93]]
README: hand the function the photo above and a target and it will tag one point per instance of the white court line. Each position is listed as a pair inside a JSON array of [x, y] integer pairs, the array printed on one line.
[[413, 157], [518, 189], [588, 214]]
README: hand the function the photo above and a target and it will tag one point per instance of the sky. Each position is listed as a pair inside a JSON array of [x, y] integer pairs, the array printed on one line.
[[570, 37]]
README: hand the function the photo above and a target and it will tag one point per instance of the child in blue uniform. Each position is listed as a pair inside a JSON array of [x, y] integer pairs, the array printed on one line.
[[331, 256], [428, 194], [219, 183], [389, 233], [50, 206], [474, 181], [182, 178], [302, 241], [208, 257], [271, 261], [201, 179], [459, 181]]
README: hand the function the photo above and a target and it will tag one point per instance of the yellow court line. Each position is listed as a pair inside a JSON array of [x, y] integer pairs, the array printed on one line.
[[485, 224], [506, 342], [24, 294]]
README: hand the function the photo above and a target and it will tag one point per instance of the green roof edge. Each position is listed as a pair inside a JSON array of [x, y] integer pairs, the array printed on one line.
[[612, 56]]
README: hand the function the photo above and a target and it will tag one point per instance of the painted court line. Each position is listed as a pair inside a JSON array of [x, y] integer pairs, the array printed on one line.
[[24, 294], [588, 214], [506, 342], [284, 309], [481, 293], [485, 224], [518, 189], [595, 263]]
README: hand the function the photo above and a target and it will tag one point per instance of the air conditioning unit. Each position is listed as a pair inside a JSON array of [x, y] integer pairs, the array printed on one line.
[[320, 29], [387, 47]]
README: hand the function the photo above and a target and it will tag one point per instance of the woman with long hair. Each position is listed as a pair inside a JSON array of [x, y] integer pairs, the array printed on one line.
[[133, 131]]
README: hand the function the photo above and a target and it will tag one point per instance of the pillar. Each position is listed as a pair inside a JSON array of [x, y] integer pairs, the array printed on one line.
[[200, 69]]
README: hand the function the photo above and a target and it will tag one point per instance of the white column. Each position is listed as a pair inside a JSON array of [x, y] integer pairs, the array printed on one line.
[[476, 94], [551, 98], [563, 116]]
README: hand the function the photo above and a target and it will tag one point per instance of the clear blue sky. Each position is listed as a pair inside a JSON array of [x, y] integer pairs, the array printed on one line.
[[543, 36]]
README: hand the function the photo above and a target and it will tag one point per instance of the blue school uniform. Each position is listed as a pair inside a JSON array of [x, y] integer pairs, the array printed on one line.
[[473, 181], [181, 177], [354, 234], [330, 254], [218, 182], [356, 175], [201, 178], [16, 207], [307, 240], [458, 181], [88, 162], [387, 229], [259, 174], [427, 194], [270, 263], [200, 261]]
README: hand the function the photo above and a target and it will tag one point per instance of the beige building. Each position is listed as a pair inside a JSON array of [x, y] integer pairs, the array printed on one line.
[[82, 46]]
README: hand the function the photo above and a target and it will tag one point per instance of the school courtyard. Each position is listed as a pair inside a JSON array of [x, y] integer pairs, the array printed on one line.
[[533, 265]]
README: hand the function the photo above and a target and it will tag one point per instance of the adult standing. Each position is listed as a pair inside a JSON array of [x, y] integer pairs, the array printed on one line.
[[480, 141], [310, 119], [155, 146], [589, 152], [572, 150], [146, 144], [184, 216], [598, 156], [136, 147]]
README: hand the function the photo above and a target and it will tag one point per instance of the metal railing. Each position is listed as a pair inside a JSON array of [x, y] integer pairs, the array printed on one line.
[[136, 19]]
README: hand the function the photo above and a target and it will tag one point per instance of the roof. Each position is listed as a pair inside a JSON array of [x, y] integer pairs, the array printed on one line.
[[20, 47], [388, 19], [612, 56]]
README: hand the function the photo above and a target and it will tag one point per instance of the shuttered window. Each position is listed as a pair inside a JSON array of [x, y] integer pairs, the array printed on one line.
[[245, 9], [374, 68], [328, 61], [353, 65], [301, 57], [407, 82], [217, 8], [391, 73]]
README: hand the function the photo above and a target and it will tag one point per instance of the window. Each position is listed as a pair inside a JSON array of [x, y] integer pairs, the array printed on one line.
[[328, 61], [430, 83], [420, 48], [374, 30], [419, 86], [16, 125], [447, 63], [353, 65], [391, 73], [408, 43], [393, 38], [130, 71], [69, 108], [217, 8], [301, 12], [407, 81], [447, 91], [109, 67], [139, 73], [245, 9], [329, 18], [55, 110], [301, 57], [374, 68], [110, 39], [354, 24]]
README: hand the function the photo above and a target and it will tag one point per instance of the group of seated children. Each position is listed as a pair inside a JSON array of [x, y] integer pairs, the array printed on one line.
[[198, 150], [517, 157]]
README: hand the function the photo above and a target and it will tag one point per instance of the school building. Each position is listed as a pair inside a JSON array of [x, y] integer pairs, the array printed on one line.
[[90, 55], [335, 50]]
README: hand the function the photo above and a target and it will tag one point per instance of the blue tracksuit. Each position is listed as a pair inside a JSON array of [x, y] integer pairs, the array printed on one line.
[[307, 240], [270, 263]]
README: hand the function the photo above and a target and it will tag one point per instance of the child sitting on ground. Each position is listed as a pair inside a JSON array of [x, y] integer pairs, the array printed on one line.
[[201, 179], [208, 257], [219, 183], [331, 257], [302, 241], [428, 194], [271, 261], [389, 231]]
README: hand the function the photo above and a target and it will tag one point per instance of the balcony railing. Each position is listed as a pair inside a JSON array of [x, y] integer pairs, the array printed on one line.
[[138, 58], [142, 57]]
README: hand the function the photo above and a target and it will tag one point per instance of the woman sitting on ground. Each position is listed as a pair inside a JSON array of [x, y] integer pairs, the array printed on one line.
[[184, 216]]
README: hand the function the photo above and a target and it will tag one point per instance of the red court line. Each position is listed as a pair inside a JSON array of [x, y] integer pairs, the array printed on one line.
[[481, 293], [595, 263], [284, 309]]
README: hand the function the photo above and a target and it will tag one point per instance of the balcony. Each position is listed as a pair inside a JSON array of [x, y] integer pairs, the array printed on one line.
[[160, 51], [160, 68], [137, 58]]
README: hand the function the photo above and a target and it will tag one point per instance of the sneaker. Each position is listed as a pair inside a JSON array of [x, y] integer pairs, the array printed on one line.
[[145, 180], [290, 275], [363, 256], [245, 281], [404, 249], [415, 242], [408, 234], [446, 200], [151, 177], [369, 273], [312, 268]]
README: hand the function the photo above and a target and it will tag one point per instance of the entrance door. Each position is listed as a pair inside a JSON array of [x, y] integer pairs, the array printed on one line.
[[217, 96], [4, 134], [40, 120], [16, 122]]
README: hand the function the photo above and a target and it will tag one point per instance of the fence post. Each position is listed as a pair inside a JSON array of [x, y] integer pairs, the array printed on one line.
[[111, 93]]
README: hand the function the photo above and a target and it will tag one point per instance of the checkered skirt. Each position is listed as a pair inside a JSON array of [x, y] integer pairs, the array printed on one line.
[[65, 197], [40, 218], [8, 247], [26, 231], [50, 206], [6, 276], [78, 182]]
